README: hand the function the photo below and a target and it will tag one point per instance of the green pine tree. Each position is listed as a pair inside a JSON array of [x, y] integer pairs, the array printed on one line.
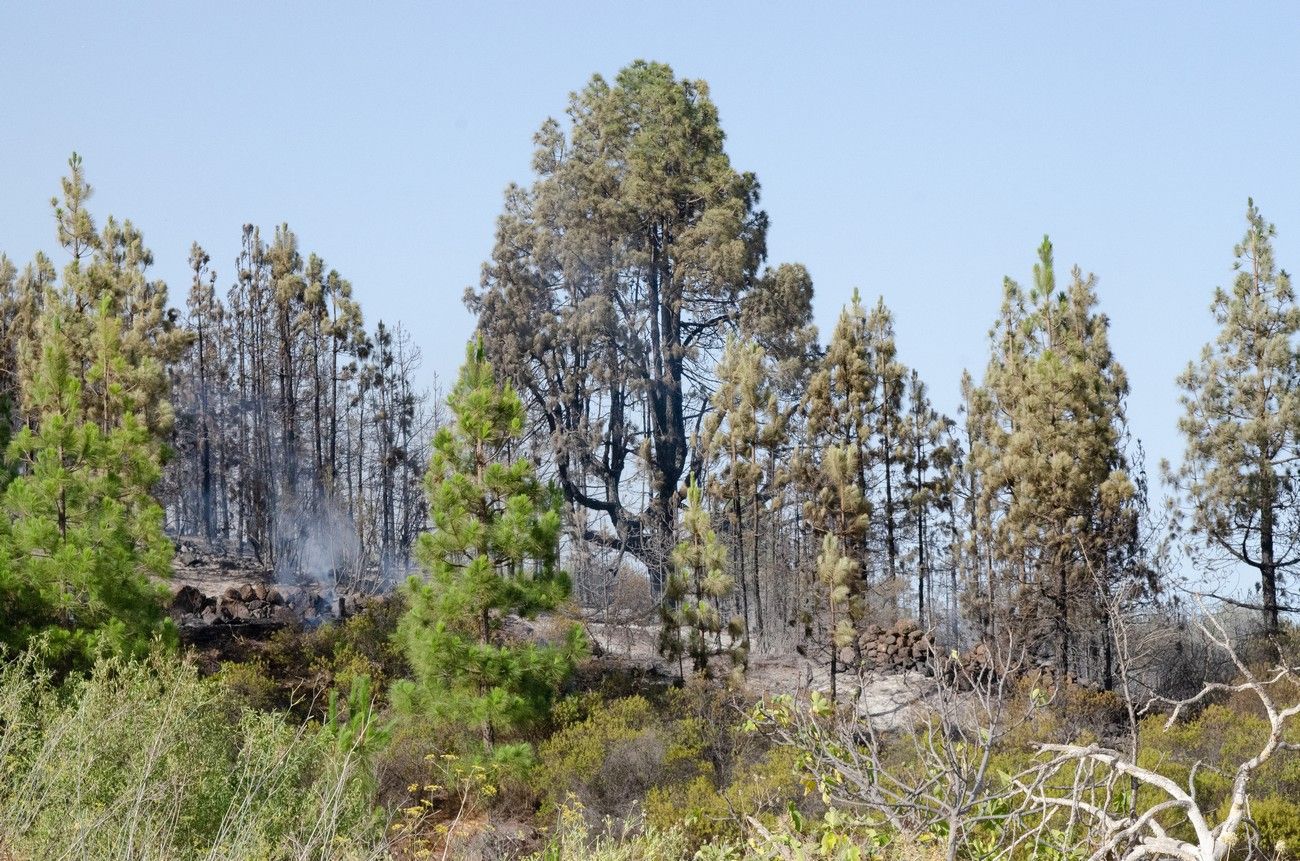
[[493, 553], [615, 279], [746, 418], [836, 575], [82, 548], [836, 458], [927, 449], [834, 463], [112, 265], [886, 422], [9, 337]]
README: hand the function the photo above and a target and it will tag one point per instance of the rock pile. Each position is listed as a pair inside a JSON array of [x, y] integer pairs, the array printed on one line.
[[973, 666], [900, 647], [245, 603], [977, 661], [978, 664], [259, 603]]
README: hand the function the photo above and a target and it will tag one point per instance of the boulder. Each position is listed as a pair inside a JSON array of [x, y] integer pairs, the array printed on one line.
[[188, 600], [236, 611]]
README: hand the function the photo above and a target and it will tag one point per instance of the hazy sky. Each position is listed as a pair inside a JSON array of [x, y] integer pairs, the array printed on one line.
[[918, 156]]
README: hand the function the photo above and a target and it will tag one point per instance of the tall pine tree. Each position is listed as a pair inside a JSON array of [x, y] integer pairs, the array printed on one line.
[[614, 282], [492, 553], [1055, 484], [84, 552], [1242, 422]]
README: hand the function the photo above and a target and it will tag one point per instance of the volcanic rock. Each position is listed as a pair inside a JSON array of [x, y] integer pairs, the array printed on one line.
[[188, 600]]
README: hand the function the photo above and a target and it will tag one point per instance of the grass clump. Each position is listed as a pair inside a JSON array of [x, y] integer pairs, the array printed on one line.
[[146, 760]]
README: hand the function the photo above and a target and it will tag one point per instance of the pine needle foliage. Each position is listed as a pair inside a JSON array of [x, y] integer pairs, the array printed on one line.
[[692, 609], [492, 554], [744, 427], [82, 549], [1051, 450], [837, 574], [1242, 424]]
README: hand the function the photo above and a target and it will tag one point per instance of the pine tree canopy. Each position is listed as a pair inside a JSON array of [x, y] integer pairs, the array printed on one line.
[[1242, 423], [492, 553], [692, 615], [82, 547], [1051, 438]]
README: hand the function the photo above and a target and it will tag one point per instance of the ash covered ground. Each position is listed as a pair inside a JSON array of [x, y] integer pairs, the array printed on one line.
[[213, 588]]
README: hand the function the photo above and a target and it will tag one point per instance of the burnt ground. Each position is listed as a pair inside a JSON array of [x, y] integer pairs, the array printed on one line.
[[890, 697], [219, 599], [226, 605]]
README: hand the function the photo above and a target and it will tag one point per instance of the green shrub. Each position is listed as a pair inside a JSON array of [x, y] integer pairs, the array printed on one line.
[[834, 836], [1220, 738], [147, 760], [249, 684], [1278, 821], [306, 664], [681, 765], [607, 761], [574, 839]]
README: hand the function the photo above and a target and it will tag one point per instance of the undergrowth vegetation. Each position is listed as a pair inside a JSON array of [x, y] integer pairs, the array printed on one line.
[[150, 758], [146, 759]]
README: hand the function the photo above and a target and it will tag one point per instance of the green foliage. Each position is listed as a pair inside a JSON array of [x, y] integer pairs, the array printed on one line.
[[1278, 820], [298, 668], [81, 539], [1242, 420], [10, 335], [1049, 445], [577, 840], [121, 328], [636, 214], [704, 812], [608, 760], [682, 763], [143, 759], [249, 684], [839, 406], [692, 607], [837, 577], [492, 553], [743, 434], [834, 836], [1219, 739]]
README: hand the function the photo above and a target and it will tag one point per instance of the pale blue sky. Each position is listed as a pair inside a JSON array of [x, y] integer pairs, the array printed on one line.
[[916, 154]]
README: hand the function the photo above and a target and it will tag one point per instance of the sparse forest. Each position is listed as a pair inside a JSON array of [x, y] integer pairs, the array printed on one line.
[[664, 573]]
